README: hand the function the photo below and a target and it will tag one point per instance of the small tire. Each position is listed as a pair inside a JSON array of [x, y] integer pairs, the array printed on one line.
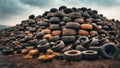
[[73, 55], [7, 51], [54, 27], [109, 50], [59, 46], [73, 25], [54, 20], [86, 26], [80, 48], [44, 47], [69, 39], [67, 19], [54, 38], [83, 32], [39, 35], [90, 55]]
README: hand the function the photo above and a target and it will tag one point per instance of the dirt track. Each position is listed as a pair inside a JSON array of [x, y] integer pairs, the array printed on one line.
[[17, 61]]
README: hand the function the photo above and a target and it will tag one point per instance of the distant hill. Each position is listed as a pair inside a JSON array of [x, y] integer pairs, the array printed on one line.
[[3, 26]]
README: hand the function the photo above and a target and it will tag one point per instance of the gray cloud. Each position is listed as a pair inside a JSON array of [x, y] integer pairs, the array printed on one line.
[[9, 8], [107, 3], [38, 3]]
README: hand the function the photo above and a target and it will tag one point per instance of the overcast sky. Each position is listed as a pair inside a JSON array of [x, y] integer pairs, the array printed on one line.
[[12, 12]]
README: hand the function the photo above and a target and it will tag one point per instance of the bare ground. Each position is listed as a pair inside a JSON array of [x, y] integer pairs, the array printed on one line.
[[17, 61]]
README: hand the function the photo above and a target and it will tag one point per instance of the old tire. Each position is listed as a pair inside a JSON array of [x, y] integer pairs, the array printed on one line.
[[73, 25], [90, 55], [44, 47], [109, 50], [73, 55], [69, 39], [59, 46]]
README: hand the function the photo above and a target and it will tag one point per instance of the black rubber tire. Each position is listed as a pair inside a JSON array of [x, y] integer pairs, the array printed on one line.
[[7, 51], [59, 56], [54, 38], [67, 19], [83, 39], [95, 48], [68, 10], [42, 23], [90, 55], [74, 15], [80, 48], [54, 20], [69, 39], [53, 10], [109, 50], [32, 16], [62, 7], [43, 41], [39, 35], [94, 42], [44, 47], [33, 42], [73, 55], [55, 27], [73, 25], [27, 38], [69, 47], [59, 46]]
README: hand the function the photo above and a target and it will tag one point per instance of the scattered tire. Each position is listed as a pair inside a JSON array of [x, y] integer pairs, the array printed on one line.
[[7, 51], [39, 35], [59, 56], [73, 55], [59, 46], [80, 48], [90, 55], [109, 50], [43, 47]]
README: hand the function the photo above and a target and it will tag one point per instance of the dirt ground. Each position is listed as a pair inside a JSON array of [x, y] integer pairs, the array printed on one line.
[[17, 61]]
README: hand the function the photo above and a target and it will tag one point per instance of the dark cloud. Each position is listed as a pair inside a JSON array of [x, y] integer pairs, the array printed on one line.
[[107, 3], [9, 8], [38, 3]]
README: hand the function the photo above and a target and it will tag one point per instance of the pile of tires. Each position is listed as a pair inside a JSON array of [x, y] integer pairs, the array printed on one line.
[[70, 33]]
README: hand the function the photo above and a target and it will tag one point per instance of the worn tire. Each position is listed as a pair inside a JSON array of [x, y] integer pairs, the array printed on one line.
[[109, 50], [90, 55], [44, 47], [73, 55], [69, 39], [83, 32], [69, 32], [59, 46], [54, 38], [7, 51], [56, 32], [55, 20], [86, 26], [73, 25], [54, 27]]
